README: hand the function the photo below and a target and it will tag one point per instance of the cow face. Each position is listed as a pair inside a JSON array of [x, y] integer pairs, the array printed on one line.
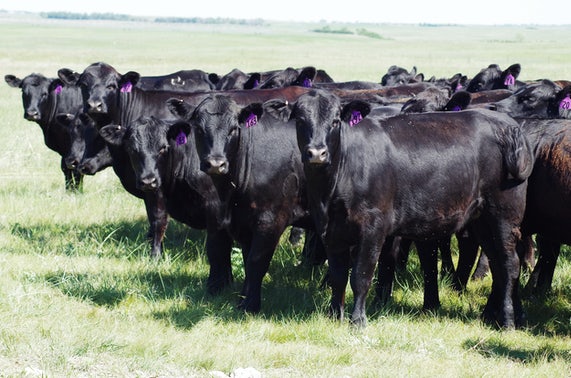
[[539, 100], [493, 77], [219, 123], [35, 92], [318, 120], [400, 76], [146, 141], [88, 152], [101, 84]]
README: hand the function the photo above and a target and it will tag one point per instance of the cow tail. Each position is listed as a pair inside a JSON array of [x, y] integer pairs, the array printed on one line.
[[518, 154]]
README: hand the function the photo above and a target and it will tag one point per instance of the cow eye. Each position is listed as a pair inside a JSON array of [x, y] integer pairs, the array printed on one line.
[[111, 87]]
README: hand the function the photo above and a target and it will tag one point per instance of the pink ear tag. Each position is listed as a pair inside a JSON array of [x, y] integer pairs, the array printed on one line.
[[251, 120], [58, 89], [181, 138], [356, 117], [127, 87], [510, 80], [565, 103], [458, 87]]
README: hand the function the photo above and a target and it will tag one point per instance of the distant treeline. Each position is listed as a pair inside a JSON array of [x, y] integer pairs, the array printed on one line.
[[363, 32], [125, 17]]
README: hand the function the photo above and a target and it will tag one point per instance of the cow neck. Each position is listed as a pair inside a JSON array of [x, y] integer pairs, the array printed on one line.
[[127, 109], [241, 165]]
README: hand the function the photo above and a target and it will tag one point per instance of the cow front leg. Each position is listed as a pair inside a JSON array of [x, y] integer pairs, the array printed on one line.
[[256, 266], [219, 251], [338, 276], [428, 255], [158, 221]]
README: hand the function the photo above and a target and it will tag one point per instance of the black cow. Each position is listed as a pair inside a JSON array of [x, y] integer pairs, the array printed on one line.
[[492, 77], [543, 99], [400, 76], [164, 160], [236, 79], [548, 209], [251, 154], [420, 176], [88, 152], [43, 98], [184, 81]]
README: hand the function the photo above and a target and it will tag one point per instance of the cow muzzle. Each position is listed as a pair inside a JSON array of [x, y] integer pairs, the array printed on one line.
[[217, 166], [95, 106], [149, 184], [317, 155]]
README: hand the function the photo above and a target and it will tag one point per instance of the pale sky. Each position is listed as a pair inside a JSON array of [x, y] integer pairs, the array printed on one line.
[[480, 12]]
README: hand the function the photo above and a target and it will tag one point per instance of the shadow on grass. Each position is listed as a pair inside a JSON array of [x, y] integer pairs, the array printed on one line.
[[494, 347]]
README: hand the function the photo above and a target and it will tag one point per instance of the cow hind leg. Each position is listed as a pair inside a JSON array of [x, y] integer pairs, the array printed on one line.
[[467, 253], [541, 278], [428, 255], [390, 253]]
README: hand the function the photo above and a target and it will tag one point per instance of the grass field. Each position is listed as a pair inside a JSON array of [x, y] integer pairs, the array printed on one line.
[[80, 297]]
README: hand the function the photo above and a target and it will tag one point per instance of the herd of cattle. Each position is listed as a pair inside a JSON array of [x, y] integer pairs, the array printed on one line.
[[364, 168]]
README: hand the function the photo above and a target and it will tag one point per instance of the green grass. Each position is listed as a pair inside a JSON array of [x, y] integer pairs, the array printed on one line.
[[80, 297]]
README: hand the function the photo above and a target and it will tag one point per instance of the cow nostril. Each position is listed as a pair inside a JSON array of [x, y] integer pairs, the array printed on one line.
[[317, 155], [217, 166]]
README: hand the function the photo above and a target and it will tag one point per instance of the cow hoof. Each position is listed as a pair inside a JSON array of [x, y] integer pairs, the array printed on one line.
[[215, 286], [249, 306]]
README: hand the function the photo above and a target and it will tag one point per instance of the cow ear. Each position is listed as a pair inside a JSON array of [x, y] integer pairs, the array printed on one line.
[[250, 115], [68, 76], [459, 101], [355, 111], [113, 134], [509, 76], [213, 78], [13, 81], [279, 109], [253, 81], [180, 108], [306, 77], [419, 78], [130, 77], [179, 133], [413, 71]]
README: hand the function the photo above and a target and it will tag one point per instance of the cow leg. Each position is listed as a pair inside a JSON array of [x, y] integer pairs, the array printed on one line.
[[482, 268], [386, 269], [261, 251], [503, 307], [428, 255], [403, 252], [467, 252], [218, 251], [542, 276], [313, 253], [338, 276], [366, 259], [526, 253], [158, 221], [447, 267]]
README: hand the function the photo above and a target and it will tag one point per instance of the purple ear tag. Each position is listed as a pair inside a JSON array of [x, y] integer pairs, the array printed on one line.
[[181, 138], [457, 108], [356, 117], [510, 80], [565, 103], [251, 120], [256, 83], [58, 89], [127, 87], [307, 83], [458, 87]]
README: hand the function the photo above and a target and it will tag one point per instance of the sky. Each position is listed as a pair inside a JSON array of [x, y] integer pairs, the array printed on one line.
[[479, 12]]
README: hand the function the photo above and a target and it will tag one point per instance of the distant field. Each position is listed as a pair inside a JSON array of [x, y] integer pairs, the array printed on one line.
[[79, 297]]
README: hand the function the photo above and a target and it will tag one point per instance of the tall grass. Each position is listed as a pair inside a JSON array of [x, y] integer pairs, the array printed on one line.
[[80, 297]]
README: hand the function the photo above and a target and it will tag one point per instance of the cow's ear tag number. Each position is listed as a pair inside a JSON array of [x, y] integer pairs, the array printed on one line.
[[356, 117], [565, 103], [251, 120], [510, 80], [127, 87], [181, 138]]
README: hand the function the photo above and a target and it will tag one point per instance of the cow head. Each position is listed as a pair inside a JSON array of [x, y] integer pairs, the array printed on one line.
[[543, 99], [147, 141], [101, 84], [218, 123], [319, 118], [35, 93], [88, 152], [400, 76], [492, 77]]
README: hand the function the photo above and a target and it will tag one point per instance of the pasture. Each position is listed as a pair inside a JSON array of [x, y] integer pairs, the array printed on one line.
[[80, 297]]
